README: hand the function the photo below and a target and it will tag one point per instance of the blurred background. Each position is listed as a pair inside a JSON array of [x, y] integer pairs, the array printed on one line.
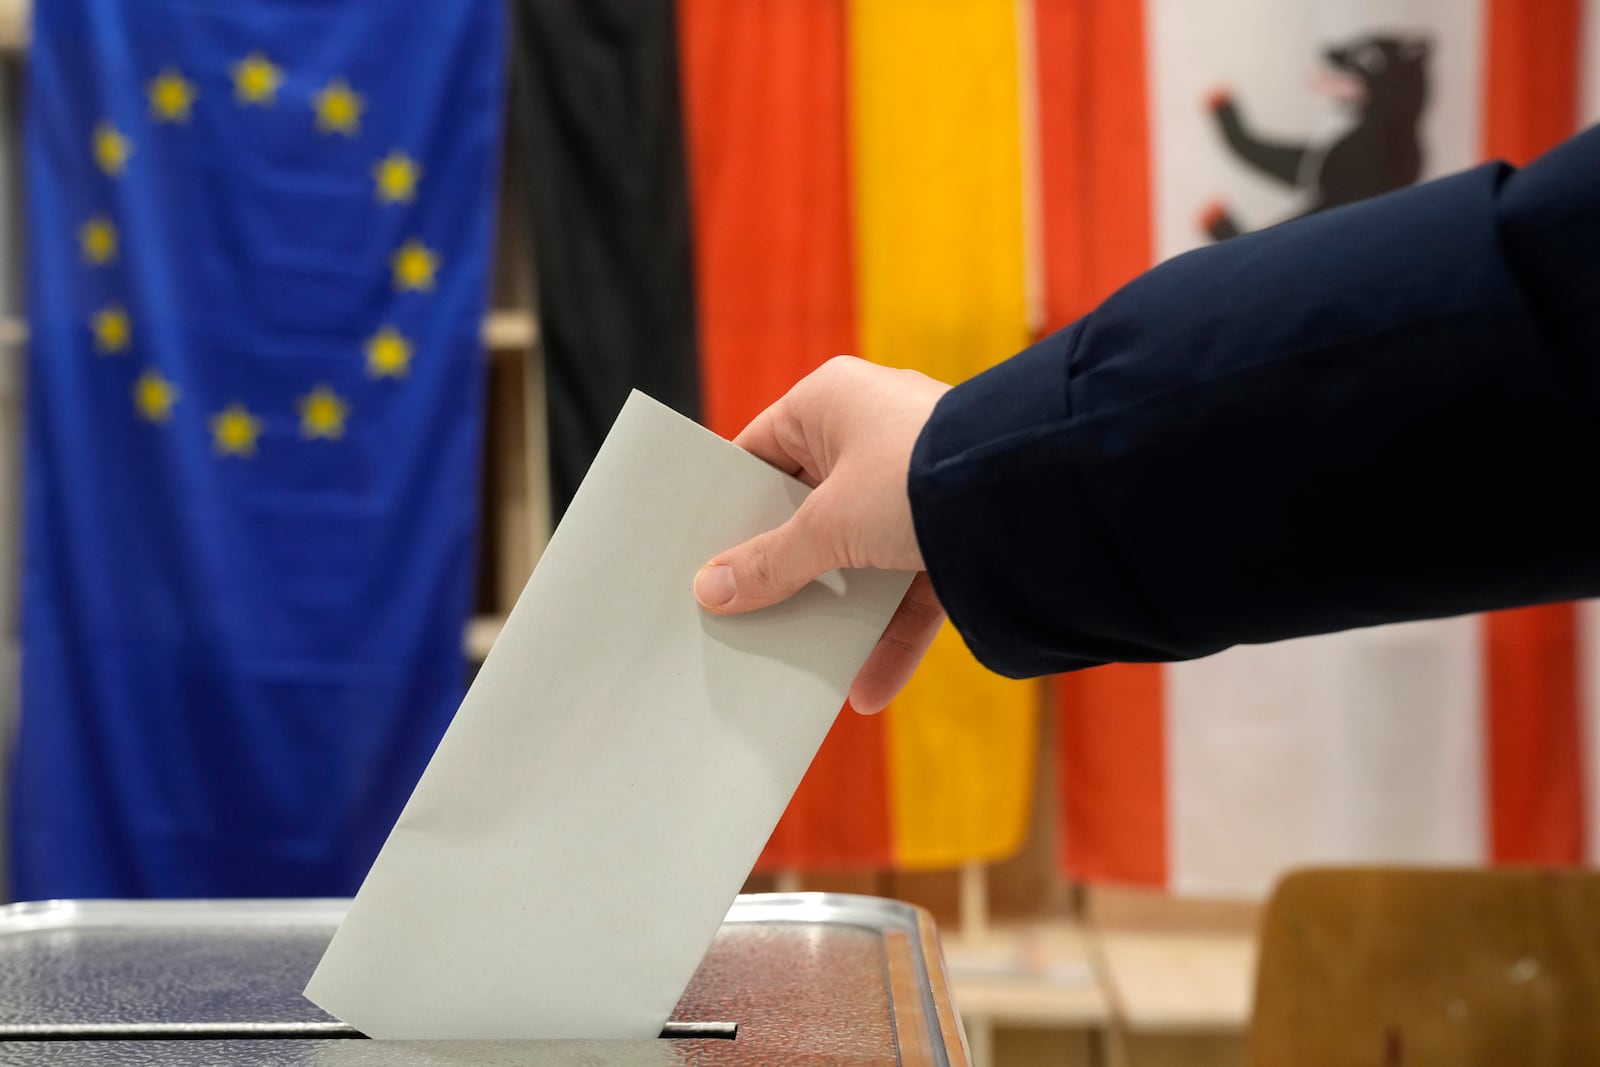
[[313, 314]]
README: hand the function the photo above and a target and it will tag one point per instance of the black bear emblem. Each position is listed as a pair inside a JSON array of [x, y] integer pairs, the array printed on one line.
[[1385, 81]]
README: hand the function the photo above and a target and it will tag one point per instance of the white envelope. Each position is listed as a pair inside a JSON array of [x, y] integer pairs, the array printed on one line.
[[615, 769]]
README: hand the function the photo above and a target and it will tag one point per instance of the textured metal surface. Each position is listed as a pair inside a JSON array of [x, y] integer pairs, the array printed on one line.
[[794, 989], [375, 1054], [132, 975], [804, 976]]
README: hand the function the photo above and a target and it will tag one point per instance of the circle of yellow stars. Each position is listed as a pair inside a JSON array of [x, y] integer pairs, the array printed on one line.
[[338, 109]]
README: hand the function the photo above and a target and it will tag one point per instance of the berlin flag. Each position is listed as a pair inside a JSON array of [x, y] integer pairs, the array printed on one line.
[[1453, 741]]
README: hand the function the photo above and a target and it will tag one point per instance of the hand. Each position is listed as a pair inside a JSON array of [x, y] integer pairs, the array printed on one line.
[[847, 430]]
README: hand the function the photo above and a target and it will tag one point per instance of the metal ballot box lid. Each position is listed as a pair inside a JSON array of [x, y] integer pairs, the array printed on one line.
[[791, 978]]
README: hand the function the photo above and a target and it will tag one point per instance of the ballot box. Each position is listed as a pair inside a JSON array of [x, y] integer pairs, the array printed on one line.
[[791, 978]]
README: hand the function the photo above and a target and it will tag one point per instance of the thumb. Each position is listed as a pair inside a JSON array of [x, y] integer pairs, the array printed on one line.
[[766, 569]]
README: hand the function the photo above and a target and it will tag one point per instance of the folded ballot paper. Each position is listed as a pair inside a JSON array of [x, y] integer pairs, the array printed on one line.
[[615, 769]]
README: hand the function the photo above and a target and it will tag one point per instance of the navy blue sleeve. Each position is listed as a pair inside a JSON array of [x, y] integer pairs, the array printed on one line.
[[1383, 412]]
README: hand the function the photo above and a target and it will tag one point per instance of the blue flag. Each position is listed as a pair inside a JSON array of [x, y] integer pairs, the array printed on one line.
[[259, 235]]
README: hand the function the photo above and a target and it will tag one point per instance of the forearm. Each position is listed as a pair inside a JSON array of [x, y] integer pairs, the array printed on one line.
[[1378, 413]]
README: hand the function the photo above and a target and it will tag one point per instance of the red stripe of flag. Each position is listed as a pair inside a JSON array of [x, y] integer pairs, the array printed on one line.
[[767, 127], [1095, 209], [1536, 807]]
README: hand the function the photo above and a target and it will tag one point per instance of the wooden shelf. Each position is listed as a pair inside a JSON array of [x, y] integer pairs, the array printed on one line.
[[481, 633], [15, 20], [510, 331], [503, 331]]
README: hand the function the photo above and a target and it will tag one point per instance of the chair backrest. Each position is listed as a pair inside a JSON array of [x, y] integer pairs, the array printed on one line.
[[1416, 968]]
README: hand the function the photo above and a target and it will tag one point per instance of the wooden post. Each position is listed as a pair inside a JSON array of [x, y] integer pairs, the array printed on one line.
[[973, 900], [980, 1039], [536, 451]]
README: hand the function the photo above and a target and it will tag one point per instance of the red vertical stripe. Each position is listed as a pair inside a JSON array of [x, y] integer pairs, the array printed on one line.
[[766, 123], [1093, 150], [1532, 86], [1114, 775], [1534, 745], [839, 818], [1095, 211], [1531, 663]]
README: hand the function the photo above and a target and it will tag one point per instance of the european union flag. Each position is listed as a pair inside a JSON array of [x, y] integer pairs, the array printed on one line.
[[260, 234]]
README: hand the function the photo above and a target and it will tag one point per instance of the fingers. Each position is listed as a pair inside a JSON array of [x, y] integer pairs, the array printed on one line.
[[774, 437], [760, 437], [782, 434], [903, 644], [766, 569]]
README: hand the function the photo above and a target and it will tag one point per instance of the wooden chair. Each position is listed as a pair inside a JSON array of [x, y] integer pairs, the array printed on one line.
[[1416, 968]]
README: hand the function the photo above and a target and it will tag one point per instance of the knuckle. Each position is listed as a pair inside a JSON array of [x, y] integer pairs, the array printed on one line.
[[842, 366], [850, 552]]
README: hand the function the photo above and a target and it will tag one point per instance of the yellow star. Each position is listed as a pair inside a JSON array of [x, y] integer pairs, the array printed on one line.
[[388, 354], [112, 330], [98, 239], [171, 95], [396, 175], [256, 80], [339, 108], [234, 431], [111, 149], [154, 396], [322, 414], [414, 266]]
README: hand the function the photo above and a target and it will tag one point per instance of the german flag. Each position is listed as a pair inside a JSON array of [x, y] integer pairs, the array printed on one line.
[[854, 176]]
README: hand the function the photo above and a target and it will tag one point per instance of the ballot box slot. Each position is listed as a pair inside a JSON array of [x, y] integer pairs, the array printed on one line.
[[721, 1031], [179, 1031]]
